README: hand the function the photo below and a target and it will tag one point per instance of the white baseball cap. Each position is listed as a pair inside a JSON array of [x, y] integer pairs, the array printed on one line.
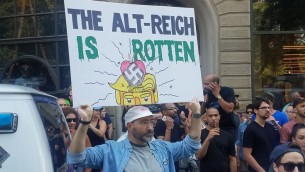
[[136, 112]]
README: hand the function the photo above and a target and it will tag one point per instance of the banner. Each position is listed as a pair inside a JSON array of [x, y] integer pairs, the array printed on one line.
[[125, 54]]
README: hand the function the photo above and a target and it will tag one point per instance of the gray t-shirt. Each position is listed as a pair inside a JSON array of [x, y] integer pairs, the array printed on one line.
[[142, 160]]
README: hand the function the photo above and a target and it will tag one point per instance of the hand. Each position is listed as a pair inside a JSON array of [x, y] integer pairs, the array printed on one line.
[[213, 132], [238, 161], [169, 122], [188, 122], [182, 118], [271, 118], [194, 106], [206, 98], [215, 88], [85, 112]]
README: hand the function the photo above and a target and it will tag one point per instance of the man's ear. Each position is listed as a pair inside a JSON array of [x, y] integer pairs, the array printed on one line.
[[219, 116], [163, 112], [129, 125], [275, 167]]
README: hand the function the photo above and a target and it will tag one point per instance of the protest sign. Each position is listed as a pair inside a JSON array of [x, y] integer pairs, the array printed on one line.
[[125, 54]]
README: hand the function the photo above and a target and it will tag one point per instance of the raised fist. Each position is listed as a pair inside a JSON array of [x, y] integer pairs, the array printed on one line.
[[85, 112]]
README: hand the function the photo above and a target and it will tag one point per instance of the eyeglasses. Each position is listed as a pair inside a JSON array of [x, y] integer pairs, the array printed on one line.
[[264, 107], [172, 108], [289, 166], [71, 119], [148, 122], [249, 112]]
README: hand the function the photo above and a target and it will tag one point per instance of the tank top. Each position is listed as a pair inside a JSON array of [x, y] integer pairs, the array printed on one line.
[[95, 139]]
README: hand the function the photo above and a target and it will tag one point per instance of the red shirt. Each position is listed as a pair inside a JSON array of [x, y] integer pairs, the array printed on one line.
[[285, 131]]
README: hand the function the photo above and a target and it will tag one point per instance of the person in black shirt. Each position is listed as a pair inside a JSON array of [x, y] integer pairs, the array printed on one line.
[[167, 129], [223, 99], [259, 138], [217, 152]]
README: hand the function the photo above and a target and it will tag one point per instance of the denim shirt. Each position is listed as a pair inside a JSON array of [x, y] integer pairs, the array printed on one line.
[[240, 138], [114, 155]]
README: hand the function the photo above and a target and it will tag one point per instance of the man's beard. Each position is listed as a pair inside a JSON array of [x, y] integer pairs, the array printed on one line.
[[302, 115], [266, 117], [143, 137]]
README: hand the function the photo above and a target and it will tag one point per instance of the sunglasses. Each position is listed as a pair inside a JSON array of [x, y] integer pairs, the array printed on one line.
[[289, 166], [71, 119]]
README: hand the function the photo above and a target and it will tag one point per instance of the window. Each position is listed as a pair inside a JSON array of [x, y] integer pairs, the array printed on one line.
[[30, 72], [278, 46], [35, 28], [54, 125], [279, 15]]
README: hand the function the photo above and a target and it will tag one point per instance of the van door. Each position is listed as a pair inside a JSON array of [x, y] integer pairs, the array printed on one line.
[[31, 133], [54, 124]]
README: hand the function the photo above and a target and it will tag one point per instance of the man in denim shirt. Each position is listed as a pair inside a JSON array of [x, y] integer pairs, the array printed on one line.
[[137, 152]]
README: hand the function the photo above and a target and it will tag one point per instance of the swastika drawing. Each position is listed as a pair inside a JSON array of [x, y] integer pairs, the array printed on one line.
[[133, 75]]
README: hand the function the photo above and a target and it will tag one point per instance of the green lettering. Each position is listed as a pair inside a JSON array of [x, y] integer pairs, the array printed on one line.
[[159, 44], [189, 51], [169, 44], [137, 47], [178, 50], [149, 45], [93, 52], [152, 49], [80, 47]]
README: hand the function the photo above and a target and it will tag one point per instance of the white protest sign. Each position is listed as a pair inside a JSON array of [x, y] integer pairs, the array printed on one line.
[[123, 54]]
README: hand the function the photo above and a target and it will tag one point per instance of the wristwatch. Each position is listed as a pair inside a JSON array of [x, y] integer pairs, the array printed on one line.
[[84, 122], [196, 115], [219, 97]]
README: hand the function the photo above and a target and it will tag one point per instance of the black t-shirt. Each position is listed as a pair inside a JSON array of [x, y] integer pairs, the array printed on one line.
[[176, 132], [261, 140], [227, 120], [217, 157]]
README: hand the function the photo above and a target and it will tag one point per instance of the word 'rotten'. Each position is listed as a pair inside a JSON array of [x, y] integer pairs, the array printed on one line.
[[150, 50]]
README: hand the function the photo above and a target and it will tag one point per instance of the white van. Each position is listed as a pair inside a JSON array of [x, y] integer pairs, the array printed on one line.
[[31, 131]]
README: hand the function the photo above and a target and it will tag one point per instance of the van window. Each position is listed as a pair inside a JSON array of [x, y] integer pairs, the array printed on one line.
[[54, 124]]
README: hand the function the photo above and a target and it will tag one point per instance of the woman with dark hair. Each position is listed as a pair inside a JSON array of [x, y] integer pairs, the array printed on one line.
[[72, 121], [298, 135]]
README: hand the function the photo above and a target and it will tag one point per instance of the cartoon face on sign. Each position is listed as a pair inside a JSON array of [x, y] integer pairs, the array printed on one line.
[[135, 86]]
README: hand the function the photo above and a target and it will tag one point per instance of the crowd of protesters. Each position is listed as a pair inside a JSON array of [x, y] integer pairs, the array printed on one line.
[[196, 136]]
